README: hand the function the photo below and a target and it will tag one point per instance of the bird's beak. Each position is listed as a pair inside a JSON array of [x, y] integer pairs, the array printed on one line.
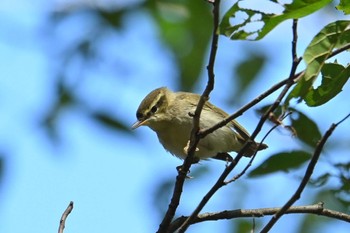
[[138, 124]]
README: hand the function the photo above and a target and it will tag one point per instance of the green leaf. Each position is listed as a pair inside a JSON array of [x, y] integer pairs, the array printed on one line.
[[283, 161], [306, 129], [248, 69], [295, 10], [334, 35], [110, 122], [344, 6], [245, 73], [185, 35], [334, 77]]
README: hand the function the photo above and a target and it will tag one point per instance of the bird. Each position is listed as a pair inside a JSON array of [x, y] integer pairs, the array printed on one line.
[[170, 115]]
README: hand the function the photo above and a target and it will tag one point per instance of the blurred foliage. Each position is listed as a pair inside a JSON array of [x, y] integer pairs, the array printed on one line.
[[311, 223], [283, 161], [243, 225], [110, 122], [1, 167], [306, 129], [185, 28], [186, 35], [344, 5], [245, 73], [299, 122]]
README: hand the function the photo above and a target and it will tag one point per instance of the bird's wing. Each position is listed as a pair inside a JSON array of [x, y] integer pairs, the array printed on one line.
[[242, 133]]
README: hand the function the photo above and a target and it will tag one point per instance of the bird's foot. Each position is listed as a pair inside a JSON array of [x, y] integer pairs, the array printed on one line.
[[187, 147], [179, 169]]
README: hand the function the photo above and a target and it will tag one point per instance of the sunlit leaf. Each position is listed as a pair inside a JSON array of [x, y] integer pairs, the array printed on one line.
[[296, 9], [334, 35], [284, 161], [344, 5], [306, 129], [334, 77]]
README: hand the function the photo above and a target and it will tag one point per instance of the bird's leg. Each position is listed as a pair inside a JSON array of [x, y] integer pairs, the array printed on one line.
[[187, 147]]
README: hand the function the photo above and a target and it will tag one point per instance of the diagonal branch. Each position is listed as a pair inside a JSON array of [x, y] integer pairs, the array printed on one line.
[[64, 217], [306, 178], [221, 181], [197, 135], [194, 138], [317, 209], [262, 96]]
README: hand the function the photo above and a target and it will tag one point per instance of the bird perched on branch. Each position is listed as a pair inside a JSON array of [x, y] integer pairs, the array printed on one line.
[[168, 114]]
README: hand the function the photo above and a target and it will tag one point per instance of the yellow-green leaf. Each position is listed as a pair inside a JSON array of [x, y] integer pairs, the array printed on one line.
[[295, 10], [334, 35]]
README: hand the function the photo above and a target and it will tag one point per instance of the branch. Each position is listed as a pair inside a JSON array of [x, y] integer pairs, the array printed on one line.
[[316, 209], [194, 138], [236, 177], [64, 217], [221, 181], [288, 82], [262, 96], [306, 178]]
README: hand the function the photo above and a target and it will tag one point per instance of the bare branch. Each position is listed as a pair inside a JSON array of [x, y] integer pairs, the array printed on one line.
[[64, 217], [316, 209], [306, 178], [194, 138]]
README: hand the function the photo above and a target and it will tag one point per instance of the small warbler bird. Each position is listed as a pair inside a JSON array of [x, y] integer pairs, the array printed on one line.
[[169, 115]]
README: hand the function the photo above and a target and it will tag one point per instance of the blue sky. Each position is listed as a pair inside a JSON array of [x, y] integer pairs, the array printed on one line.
[[111, 177]]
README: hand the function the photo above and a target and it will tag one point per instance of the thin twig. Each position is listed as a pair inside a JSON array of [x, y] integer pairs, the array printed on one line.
[[220, 182], [64, 217], [262, 96], [306, 178], [194, 138], [236, 177], [317, 209]]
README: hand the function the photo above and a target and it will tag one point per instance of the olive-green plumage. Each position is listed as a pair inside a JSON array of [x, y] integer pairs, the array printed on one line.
[[167, 113]]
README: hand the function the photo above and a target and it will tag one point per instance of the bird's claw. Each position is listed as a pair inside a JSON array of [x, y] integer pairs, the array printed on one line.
[[187, 147]]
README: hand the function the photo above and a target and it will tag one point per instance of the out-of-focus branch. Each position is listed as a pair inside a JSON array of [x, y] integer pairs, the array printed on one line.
[[317, 209], [64, 217]]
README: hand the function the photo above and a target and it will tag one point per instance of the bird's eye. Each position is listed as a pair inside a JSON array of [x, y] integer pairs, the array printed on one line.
[[154, 109], [139, 115]]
